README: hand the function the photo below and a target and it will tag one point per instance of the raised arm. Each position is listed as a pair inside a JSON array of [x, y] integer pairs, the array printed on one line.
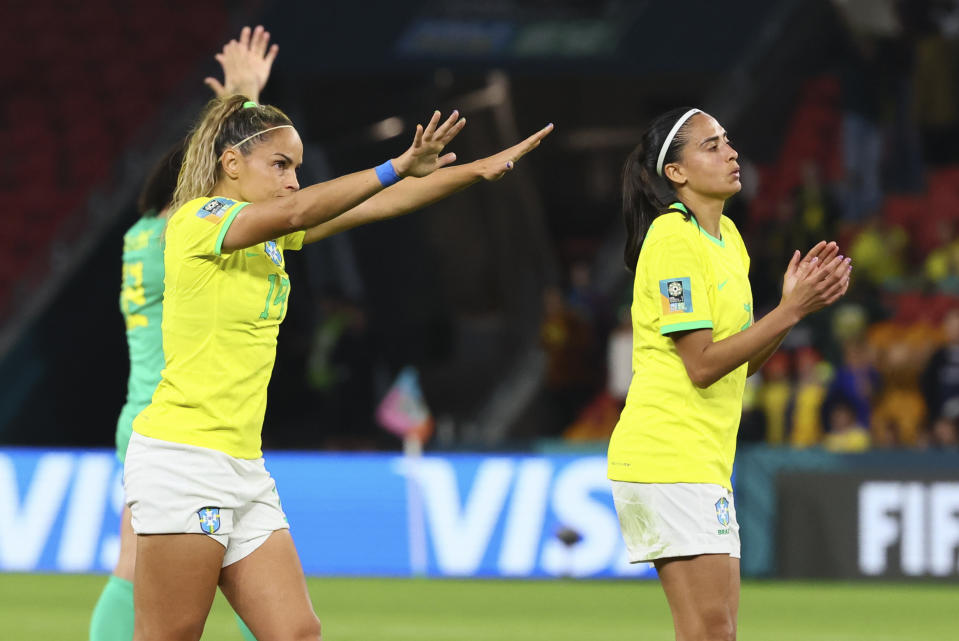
[[314, 205], [412, 194], [707, 361], [246, 64]]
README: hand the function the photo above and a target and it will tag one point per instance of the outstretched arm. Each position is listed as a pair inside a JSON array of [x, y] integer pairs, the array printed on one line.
[[412, 194], [246, 64], [316, 204]]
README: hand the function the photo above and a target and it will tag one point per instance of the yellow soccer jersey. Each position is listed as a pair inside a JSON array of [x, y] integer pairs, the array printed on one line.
[[221, 315], [671, 431]]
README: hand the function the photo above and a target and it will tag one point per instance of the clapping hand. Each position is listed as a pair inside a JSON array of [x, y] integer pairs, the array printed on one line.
[[821, 253], [816, 283]]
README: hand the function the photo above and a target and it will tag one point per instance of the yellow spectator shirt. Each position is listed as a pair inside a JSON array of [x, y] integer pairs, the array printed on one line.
[[221, 315], [671, 431]]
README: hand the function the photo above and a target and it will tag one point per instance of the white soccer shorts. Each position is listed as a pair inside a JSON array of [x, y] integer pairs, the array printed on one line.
[[665, 520], [173, 488]]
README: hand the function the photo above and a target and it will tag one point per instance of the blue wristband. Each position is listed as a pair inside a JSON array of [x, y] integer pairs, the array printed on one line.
[[387, 174]]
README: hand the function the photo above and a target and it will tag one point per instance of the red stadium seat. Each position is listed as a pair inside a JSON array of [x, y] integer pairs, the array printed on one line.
[[905, 211], [940, 304], [909, 307], [109, 67]]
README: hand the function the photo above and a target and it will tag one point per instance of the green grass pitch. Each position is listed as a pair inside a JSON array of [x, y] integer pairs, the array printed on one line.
[[57, 608]]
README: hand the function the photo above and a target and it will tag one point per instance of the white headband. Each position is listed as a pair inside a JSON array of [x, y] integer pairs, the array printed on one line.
[[669, 139], [259, 133]]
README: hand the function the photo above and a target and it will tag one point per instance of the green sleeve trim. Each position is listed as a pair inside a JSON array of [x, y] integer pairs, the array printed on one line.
[[294, 241], [680, 327], [225, 226]]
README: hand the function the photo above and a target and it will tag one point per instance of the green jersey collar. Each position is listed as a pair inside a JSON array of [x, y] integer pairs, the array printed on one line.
[[681, 207]]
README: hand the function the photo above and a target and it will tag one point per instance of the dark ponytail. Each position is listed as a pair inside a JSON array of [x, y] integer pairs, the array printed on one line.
[[645, 193], [157, 192]]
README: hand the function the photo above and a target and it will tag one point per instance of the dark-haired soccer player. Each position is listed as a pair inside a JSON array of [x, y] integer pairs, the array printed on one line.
[[694, 342]]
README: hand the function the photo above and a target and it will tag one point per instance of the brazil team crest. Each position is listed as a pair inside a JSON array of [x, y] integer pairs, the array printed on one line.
[[209, 519], [273, 252], [722, 512]]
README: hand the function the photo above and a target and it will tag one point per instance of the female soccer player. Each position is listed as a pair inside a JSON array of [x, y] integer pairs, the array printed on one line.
[[695, 341], [204, 508], [246, 67]]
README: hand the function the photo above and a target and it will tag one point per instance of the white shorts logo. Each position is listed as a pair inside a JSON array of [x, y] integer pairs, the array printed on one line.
[[722, 515], [209, 519]]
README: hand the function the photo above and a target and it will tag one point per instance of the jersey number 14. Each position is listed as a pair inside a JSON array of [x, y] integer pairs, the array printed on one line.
[[281, 286]]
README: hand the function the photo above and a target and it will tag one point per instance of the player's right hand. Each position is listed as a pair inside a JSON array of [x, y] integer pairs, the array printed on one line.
[[820, 284], [423, 156], [821, 251]]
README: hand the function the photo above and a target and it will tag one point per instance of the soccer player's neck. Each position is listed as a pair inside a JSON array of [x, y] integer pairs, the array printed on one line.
[[227, 189], [708, 210]]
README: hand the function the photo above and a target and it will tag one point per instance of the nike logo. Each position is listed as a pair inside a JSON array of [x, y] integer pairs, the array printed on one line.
[[251, 254], [722, 284]]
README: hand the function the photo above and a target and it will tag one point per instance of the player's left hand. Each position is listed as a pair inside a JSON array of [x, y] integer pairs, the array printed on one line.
[[822, 252], [496, 166], [246, 64]]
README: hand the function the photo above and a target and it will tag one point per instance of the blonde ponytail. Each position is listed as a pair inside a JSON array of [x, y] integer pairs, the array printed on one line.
[[224, 122]]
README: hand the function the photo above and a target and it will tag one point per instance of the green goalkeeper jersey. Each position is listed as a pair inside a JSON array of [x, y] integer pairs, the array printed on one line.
[[141, 302]]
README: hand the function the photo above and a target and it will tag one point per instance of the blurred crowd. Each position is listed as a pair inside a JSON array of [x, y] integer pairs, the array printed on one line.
[[854, 383], [869, 156], [870, 159]]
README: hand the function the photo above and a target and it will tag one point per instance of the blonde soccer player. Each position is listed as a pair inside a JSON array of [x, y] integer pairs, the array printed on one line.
[[246, 64], [694, 343], [205, 510]]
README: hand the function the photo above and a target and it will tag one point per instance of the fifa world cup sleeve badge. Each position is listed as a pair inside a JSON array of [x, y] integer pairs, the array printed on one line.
[[676, 295]]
